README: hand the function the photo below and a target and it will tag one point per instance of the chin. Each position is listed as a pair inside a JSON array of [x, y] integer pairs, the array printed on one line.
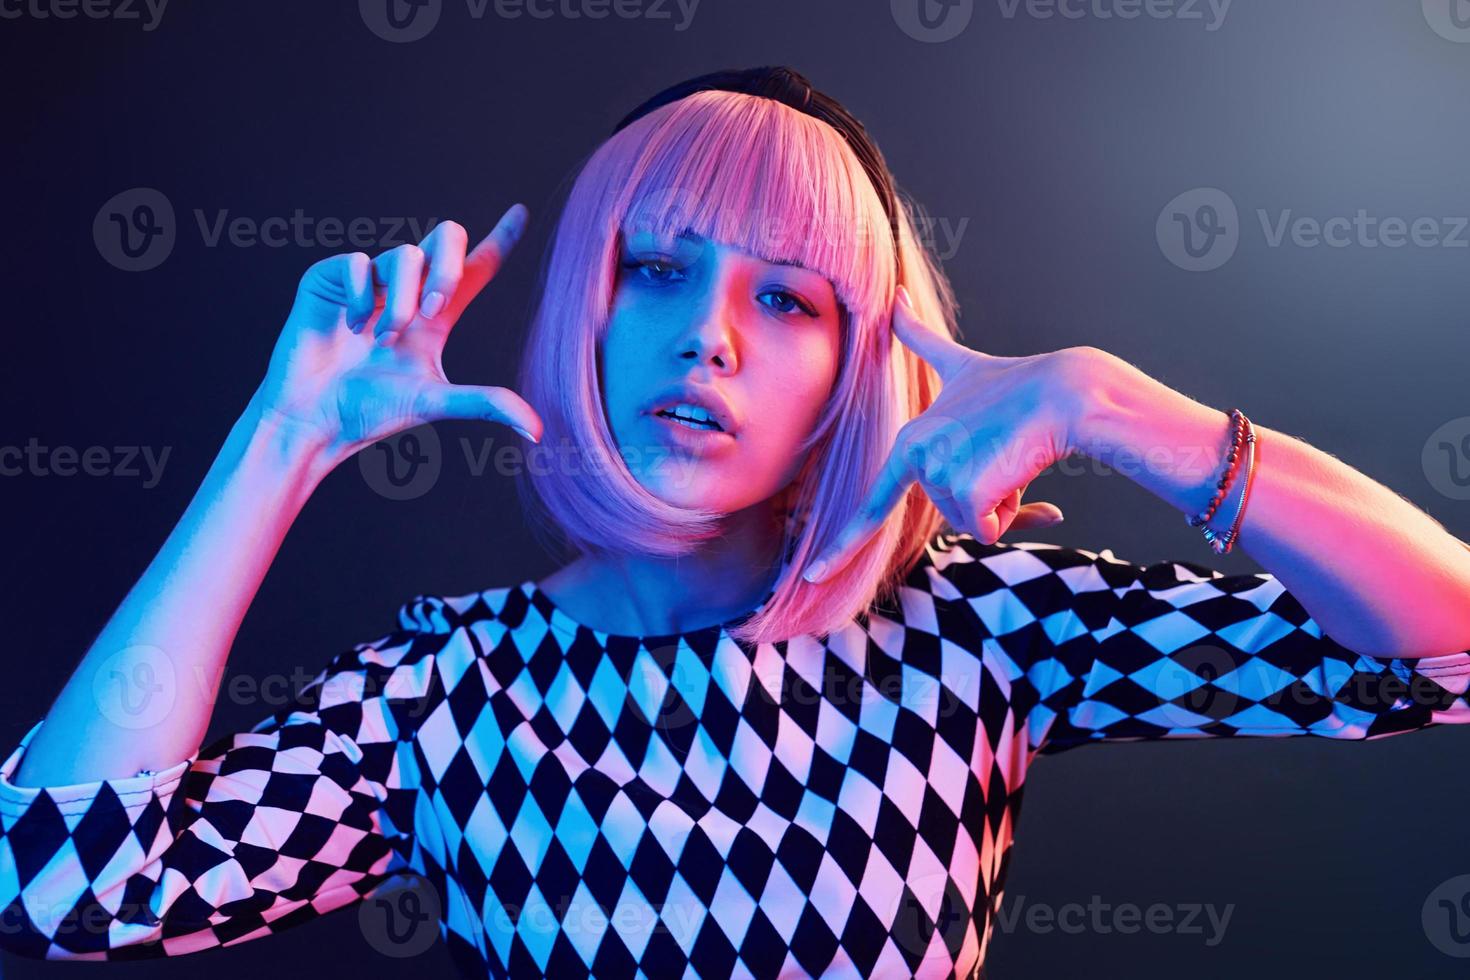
[[684, 486], [721, 482], [692, 485]]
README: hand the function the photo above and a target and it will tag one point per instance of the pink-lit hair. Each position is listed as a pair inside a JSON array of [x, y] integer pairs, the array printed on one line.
[[757, 174]]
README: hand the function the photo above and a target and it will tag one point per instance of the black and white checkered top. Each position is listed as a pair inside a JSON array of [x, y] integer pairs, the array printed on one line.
[[573, 803]]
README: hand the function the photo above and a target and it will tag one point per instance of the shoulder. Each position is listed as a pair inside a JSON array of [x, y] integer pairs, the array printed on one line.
[[974, 568], [971, 568], [401, 663], [439, 613], [1011, 585]]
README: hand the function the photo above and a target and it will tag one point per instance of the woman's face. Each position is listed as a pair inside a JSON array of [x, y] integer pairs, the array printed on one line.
[[697, 322]]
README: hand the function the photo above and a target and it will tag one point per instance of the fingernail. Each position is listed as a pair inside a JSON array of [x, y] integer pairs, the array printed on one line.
[[815, 571], [517, 224], [526, 434], [387, 339], [433, 305], [903, 297]]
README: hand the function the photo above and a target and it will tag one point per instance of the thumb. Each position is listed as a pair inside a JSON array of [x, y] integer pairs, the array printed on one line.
[[497, 404], [1037, 515]]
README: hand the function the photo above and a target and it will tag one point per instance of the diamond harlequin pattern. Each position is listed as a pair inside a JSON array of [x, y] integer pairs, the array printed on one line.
[[589, 804]]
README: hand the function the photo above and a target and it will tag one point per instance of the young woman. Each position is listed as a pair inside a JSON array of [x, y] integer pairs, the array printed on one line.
[[776, 715]]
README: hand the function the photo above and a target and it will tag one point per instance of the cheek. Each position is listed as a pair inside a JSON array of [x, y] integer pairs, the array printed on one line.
[[794, 391], [620, 367]]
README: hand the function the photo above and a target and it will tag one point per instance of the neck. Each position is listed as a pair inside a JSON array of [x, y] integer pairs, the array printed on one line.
[[638, 595]]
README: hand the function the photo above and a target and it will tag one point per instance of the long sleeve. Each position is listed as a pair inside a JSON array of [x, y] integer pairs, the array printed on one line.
[[1100, 649], [260, 830]]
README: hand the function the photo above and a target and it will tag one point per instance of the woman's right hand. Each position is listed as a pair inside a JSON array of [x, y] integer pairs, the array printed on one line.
[[360, 357]]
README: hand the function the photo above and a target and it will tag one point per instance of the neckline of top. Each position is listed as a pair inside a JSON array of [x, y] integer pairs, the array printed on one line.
[[560, 619]]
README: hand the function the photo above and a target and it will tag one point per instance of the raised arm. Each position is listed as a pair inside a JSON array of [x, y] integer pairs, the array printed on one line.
[[117, 833], [175, 627], [332, 387], [1380, 575]]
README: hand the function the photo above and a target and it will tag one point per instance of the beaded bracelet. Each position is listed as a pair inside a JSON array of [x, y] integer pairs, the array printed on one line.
[[1222, 543], [1222, 486]]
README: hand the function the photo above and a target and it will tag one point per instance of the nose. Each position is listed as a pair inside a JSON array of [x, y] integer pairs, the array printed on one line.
[[711, 336]]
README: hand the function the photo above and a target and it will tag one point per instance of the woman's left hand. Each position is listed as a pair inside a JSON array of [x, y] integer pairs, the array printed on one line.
[[997, 423]]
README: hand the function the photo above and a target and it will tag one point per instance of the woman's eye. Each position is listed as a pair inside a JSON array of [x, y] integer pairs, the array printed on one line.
[[787, 303], [654, 270]]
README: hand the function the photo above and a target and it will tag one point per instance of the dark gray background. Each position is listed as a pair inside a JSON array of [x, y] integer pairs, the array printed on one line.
[[1057, 140]]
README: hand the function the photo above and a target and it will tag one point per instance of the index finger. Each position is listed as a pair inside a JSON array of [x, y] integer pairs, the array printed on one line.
[[886, 494], [483, 262], [932, 344]]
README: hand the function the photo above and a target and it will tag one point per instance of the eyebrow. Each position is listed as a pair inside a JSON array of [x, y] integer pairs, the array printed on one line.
[[694, 238], [698, 239]]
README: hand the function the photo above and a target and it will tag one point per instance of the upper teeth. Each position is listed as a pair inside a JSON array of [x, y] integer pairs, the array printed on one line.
[[693, 412]]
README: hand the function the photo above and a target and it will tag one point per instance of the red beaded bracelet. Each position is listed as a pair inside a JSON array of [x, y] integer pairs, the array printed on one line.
[[1238, 423], [1222, 543]]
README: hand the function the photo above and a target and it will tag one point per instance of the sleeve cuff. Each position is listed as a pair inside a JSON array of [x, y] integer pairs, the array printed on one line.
[[75, 797]]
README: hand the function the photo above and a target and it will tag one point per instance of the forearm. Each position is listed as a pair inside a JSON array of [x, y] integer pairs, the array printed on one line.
[[1378, 574], [142, 696]]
